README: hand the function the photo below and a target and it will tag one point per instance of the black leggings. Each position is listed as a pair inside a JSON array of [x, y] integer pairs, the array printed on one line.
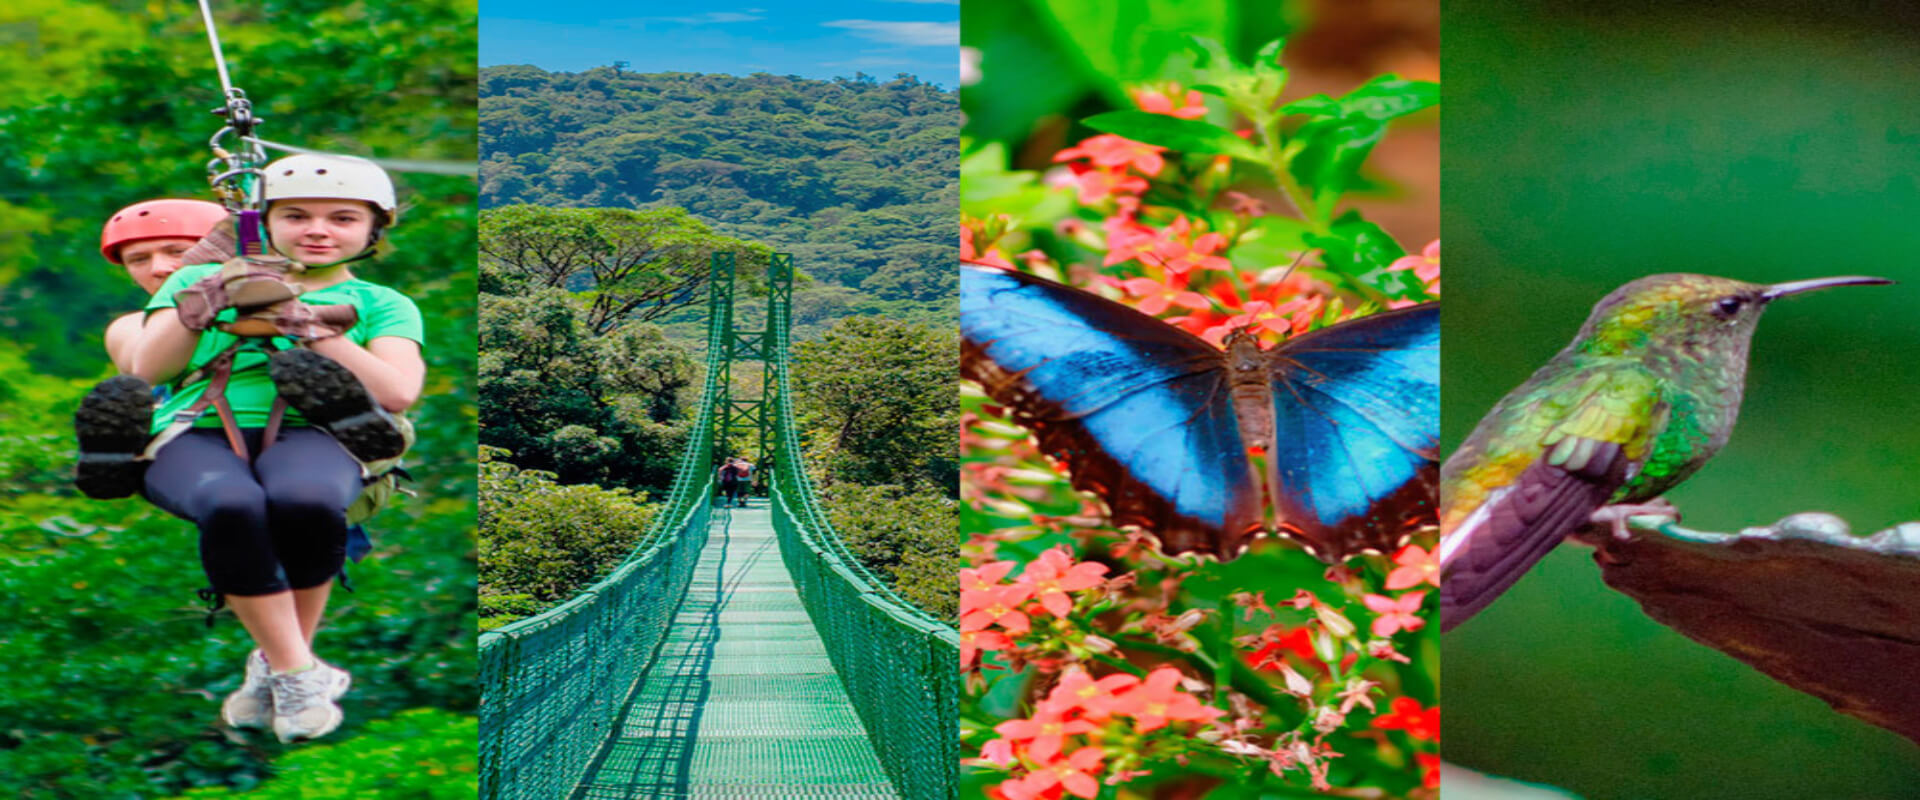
[[276, 525]]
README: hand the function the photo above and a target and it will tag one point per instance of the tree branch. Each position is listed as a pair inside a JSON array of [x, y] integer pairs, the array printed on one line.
[[1831, 614]]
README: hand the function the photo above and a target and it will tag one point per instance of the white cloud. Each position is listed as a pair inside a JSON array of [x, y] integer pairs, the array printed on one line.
[[915, 34]]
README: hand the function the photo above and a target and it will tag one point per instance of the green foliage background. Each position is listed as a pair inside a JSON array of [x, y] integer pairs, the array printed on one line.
[[1592, 145], [115, 682], [856, 177]]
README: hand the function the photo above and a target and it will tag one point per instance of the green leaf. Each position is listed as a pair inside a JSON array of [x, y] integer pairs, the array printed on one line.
[[1209, 54], [1362, 251], [1318, 105], [1184, 135], [1266, 63], [1387, 97], [1122, 41], [1380, 99], [1332, 153]]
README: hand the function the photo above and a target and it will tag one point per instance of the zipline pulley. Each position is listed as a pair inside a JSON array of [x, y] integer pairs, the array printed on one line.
[[230, 168]]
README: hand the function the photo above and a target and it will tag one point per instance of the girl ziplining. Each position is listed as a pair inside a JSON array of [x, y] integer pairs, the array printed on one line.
[[280, 378], [305, 365]]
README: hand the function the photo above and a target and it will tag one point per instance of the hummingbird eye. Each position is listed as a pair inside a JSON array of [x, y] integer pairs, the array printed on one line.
[[1729, 306]]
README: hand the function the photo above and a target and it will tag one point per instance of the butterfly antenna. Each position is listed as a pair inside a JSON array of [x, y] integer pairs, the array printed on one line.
[[1291, 267]]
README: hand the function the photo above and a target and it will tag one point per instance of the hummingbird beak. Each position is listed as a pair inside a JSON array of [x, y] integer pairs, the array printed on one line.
[[1780, 290]]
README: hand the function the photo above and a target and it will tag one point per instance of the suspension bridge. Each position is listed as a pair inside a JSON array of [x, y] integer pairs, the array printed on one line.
[[737, 653]]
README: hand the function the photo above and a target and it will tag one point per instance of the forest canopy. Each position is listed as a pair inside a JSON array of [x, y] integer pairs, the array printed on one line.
[[857, 178]]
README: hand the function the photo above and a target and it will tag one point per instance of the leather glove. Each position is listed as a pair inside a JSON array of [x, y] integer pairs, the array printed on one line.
[[296, 320], [242, 283], [218, 246], [199, 303]]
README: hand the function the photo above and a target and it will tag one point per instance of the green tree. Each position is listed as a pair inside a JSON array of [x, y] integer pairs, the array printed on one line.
[[627, 264], [541, 542], [907, 537], [590, 409], [856, 178], [876, 402]]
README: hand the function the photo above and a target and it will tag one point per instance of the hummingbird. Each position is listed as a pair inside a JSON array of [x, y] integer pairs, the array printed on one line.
[[1639, 401]]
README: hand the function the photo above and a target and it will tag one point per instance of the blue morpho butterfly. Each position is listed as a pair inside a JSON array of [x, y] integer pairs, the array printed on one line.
[[1158, 423]]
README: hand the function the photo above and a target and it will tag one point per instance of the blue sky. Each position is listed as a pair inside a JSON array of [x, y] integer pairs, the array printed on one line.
[[819, 39]]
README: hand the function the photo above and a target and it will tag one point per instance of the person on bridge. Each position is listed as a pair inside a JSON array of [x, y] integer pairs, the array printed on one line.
[[271, 505], [745, 468], [732, 478]]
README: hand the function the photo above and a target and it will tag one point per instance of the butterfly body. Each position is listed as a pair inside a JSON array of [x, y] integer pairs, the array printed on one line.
[[1159, 423]]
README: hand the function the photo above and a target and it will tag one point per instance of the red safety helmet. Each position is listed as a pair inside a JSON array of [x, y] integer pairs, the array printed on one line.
[[158, 219]]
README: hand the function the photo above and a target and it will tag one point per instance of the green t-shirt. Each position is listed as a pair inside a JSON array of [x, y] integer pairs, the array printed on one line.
[[383, 312]]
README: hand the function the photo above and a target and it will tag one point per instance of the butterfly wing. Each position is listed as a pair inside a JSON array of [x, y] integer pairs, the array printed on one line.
[[1356, 430], [1138, 410]]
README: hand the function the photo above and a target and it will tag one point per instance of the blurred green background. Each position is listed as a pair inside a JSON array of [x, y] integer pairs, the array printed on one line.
[[1588, 146]]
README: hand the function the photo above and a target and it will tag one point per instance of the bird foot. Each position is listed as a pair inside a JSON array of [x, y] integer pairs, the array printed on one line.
[[1618, 514]]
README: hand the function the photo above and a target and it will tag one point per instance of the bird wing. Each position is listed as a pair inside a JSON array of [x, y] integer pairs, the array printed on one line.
[[1601, 434]]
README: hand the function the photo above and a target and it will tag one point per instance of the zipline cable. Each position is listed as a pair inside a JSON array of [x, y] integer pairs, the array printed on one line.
[[219, 60]]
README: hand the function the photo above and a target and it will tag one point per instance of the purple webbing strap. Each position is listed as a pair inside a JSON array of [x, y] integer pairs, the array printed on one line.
[[248, 234]]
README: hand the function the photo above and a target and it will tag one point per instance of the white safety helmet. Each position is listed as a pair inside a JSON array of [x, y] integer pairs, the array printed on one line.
[[327, 177], [315, 176]]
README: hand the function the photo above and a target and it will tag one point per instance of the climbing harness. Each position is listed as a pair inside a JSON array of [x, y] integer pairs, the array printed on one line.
[[258, 286]]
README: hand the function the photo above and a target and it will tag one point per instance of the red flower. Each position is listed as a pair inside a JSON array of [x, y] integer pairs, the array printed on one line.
[[1406, 715], [1046, 732], [999, 606], [1251, 601], [1417, 566], [972, 642], [1156, 296], [1289, 318], [1159, 700], [970, 253], [1429, 769], [1154, 100], [1396, 615], [1098, 699], [986, 578], [1425, 266], [1179, 249], [1075, 773], [999, 753], [1108, 150], [1298, 641], [1097, 184], [1054, 574]]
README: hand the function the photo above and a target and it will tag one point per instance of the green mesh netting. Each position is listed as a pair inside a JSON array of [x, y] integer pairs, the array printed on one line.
[[552, 685], [901, 666]]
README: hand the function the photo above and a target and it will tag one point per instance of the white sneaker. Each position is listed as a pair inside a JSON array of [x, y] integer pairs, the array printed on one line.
[[303, 702], [252, 705]]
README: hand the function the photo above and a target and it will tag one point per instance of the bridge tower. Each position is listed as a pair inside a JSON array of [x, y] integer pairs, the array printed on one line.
[[766, 345]]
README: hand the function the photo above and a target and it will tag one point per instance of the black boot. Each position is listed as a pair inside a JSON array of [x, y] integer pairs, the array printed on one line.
[[114, 423], [330, 396]]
